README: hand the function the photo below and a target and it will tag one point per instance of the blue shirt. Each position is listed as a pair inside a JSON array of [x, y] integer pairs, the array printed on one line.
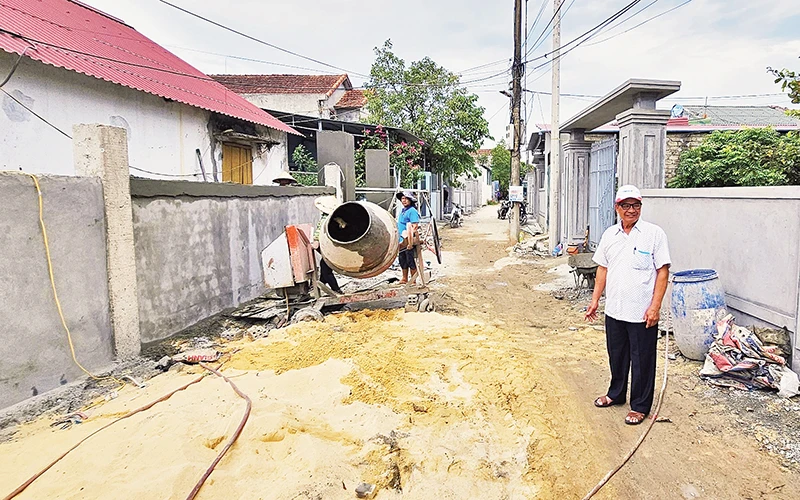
[[408, 215]]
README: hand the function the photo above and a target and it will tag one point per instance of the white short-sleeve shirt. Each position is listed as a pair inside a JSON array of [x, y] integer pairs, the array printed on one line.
[[632, 260]]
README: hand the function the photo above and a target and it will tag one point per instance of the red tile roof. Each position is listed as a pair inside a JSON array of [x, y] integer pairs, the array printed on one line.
[[284, 84], [352, 99], [68, 34]]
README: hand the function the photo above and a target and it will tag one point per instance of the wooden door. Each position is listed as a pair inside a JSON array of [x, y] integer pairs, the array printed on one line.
[[237, 164]]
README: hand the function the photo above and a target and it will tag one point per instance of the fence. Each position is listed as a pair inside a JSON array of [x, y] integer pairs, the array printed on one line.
[[198, 246], [134, 260], [749, 235], [34, 351]]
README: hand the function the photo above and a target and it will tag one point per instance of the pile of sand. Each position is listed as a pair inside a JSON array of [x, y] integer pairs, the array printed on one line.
[[420, 404]]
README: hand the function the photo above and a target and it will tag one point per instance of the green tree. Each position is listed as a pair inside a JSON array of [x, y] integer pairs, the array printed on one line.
[[749, 157], [788, 80], [501, 165], [305, 166], [427, 100]]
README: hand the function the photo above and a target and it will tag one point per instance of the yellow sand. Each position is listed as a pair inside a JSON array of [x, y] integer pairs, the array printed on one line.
[[423, 404]]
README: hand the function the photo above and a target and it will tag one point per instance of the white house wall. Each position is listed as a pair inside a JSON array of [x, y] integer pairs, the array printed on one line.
[[163, 136], [299, 104]]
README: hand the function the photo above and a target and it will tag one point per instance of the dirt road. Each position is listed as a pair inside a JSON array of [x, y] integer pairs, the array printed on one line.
[[704, 453], [489, 398]]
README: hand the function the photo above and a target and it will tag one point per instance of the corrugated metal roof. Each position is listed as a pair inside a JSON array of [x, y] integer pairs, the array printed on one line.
[[73, 36], [748, 116], [284, 84]]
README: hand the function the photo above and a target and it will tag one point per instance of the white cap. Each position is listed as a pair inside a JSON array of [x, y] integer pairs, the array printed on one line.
[[626, 192]]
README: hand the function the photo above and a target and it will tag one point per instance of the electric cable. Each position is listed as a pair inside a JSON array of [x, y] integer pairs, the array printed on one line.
[[50, 272], [33, 478], [585, 35], [233, 438], [653, 420], [263, 42], [640, 24]]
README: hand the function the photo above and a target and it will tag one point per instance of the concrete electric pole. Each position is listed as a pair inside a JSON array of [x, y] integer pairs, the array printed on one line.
[[555, 133], [516, 102]]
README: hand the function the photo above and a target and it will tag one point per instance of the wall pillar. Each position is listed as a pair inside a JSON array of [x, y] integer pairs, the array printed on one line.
[[339, 147], [332, 176], [377, 176], [642, 144], [102, 151], [576, 166]]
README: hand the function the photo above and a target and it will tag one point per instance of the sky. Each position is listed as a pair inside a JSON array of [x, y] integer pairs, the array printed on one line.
[[716, 48]]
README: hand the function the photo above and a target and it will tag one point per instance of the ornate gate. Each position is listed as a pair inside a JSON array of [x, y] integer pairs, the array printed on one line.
[[602, 181]]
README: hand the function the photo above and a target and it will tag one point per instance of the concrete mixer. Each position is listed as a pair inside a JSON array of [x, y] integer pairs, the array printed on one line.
[[359, 240]]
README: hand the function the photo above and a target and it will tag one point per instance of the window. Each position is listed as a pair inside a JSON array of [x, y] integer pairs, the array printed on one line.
[[237, 164]]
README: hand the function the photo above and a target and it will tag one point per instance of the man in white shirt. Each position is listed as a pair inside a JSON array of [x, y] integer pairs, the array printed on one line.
[[633, 260]]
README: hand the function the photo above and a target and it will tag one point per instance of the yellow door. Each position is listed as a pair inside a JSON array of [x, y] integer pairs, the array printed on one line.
[[237, 164]]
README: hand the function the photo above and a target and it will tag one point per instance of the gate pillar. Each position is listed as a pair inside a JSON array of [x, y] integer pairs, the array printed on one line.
[[642, 143], [576, 166]]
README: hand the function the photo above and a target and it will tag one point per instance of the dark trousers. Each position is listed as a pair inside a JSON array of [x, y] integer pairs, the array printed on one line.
[[326, 276], [632, 348]]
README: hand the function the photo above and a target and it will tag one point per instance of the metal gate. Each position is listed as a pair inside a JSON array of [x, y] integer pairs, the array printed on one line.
[[602, 170]]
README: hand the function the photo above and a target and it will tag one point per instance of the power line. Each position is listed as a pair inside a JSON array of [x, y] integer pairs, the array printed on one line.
[[641, 23], [268, 44], [549, 23], [623, 21], [242, 58], [536, 46], [35, 114], [536, 21], [582, 37]]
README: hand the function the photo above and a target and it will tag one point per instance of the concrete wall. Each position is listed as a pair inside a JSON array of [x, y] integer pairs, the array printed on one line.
[[34, 352], [198, 246], [749, 235], [162, 136]]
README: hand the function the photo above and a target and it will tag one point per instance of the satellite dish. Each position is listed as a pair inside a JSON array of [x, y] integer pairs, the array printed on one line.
[[677, 111]]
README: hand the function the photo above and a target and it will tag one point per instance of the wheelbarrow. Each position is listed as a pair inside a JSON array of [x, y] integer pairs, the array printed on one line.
[[584, 269]]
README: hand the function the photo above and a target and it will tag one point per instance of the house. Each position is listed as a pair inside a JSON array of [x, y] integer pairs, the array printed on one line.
[[69, 63], [322, 96]]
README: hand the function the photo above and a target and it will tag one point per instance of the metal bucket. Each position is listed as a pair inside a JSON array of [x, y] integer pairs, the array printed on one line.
[[698, 302], [359, 239]]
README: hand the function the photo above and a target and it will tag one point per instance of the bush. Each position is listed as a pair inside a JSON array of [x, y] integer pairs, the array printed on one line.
[[749, 157]]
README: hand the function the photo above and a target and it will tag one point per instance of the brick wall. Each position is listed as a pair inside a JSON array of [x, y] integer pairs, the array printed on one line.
[[677, 143]]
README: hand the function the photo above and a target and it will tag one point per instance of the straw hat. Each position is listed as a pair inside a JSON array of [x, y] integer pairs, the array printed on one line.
[[407, 194], [326, 204], [284, 176]]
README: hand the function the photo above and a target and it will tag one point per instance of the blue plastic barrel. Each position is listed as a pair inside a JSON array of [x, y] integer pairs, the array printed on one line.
[[698, 302]]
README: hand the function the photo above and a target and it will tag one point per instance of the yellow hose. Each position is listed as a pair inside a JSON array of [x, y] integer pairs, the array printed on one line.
[[55, 292]]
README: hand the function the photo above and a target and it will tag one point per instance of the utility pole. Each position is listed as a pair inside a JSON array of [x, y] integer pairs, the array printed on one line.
[[516, 101], [553, 218]]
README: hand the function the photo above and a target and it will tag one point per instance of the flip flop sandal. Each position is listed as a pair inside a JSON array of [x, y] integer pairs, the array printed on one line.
[[604, 402], [635, 418]]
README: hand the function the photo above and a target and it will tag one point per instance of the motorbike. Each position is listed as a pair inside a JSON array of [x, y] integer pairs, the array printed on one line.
[[505, 207], [456, 218], [523, 212]]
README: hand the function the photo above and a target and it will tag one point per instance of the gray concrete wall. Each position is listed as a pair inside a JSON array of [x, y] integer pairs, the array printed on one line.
[[339, 148], [198, 246], [34, 352], [749, 235]]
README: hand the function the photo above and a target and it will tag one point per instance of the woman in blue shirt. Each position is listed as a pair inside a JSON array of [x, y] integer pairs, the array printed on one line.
[[407, 224]]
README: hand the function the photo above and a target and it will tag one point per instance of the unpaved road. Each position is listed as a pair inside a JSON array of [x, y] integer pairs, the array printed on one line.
[[705, 452], [491, 398]]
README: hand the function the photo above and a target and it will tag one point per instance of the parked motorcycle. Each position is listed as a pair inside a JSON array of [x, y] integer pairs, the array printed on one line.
[[505, 207], [456, 218], [523, 213]]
